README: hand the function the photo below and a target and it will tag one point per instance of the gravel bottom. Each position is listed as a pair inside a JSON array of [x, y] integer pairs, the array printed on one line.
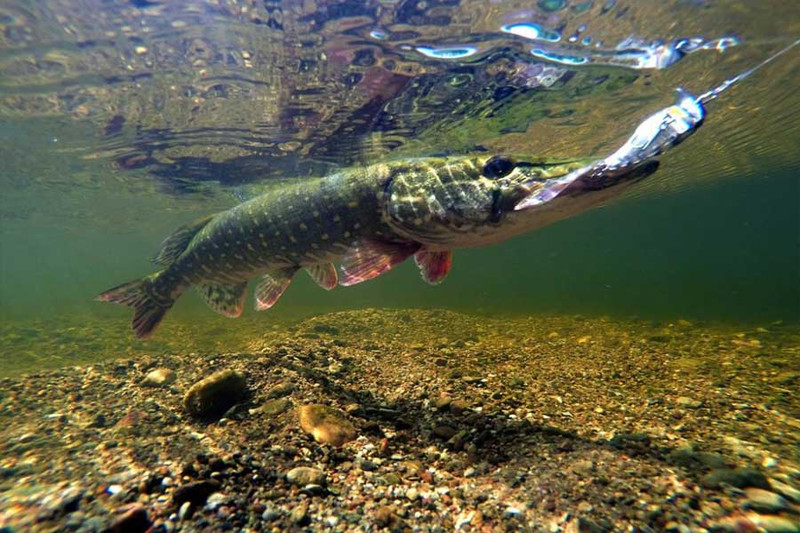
[[418, 420]]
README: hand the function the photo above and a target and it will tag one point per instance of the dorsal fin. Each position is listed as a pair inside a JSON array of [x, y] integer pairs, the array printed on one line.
[[324, 275], [227, 300], [434, 266], [174, 245], [272, 286], [368, 259]]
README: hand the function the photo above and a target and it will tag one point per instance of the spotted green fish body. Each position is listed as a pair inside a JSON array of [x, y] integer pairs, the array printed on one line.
[[367, 220]]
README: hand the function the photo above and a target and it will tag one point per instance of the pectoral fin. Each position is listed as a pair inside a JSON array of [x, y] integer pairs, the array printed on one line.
[[324, 275], [434, 266], [227, 300], [272, 286], [369, 259]]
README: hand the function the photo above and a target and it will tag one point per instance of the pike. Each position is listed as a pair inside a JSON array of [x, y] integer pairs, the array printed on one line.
[[373, 218]]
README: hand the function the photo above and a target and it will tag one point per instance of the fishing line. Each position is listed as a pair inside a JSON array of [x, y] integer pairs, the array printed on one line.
[[725, 85]]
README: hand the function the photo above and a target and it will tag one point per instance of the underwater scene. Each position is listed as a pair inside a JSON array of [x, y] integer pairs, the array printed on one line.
[[400, 265]]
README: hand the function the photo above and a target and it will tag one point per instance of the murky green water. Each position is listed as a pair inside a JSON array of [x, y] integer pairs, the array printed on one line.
[[122, 120]]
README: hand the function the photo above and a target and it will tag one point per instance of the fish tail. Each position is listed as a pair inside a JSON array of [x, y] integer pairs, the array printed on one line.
[[149, 308]]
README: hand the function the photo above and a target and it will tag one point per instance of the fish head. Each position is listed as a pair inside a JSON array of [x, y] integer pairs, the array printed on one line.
[[459, 203]]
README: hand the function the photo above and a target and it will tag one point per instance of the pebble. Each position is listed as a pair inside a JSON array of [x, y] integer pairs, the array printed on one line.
[[688, 457], [326, 424], [196, 492], [738, 477], [304, 475], [212, 396], [444, 432], [443, 402], [458, 407], [764, 501], [412, 494], [774, 524], [391, 478], [299, 514], [132, 519], [385, 516], [367, 465], [691, 403], [159, 377], [185, 511], [583, 467], [284, 388], [787, 491], [275, 407]]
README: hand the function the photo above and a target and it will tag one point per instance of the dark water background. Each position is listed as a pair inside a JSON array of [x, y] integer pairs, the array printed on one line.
[[120, 121]]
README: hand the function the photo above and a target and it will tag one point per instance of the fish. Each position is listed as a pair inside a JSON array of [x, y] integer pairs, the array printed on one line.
[[371, 219], [367, 220]]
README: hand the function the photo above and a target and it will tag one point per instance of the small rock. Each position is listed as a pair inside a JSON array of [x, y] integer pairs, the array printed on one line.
[[352, 408], [196, 492], [275, 407], [385, 516], [391, 478], [304, 475], [473, 380], [185, 512], [444, 432], [583, 467], [764, 501], [299, 514], [689, 458], [216, 500], [367, 465], [132, 519], [412, 494], [787, 491], [685, 401], [458, 407], [159, 377], [738, 477], [212, 396], [583, 525], [443, 402], [326, 425], [99, 421], [774, 524], [284, 388]]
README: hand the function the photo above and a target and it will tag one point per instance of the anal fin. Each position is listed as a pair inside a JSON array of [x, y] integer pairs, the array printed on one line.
[[369, 259], [324, 275], [434, 265], [272, 286], [227, 300]]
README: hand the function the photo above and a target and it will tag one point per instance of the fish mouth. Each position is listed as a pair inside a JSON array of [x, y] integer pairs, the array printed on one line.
[[586, 180]]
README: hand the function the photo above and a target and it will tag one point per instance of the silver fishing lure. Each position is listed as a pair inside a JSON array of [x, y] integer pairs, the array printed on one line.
[[655, 135]]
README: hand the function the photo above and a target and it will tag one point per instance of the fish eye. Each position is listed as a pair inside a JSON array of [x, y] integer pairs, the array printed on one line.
[[498, 166]]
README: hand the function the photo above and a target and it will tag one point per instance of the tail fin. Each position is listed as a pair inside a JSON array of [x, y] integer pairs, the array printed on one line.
[[148, 311]]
